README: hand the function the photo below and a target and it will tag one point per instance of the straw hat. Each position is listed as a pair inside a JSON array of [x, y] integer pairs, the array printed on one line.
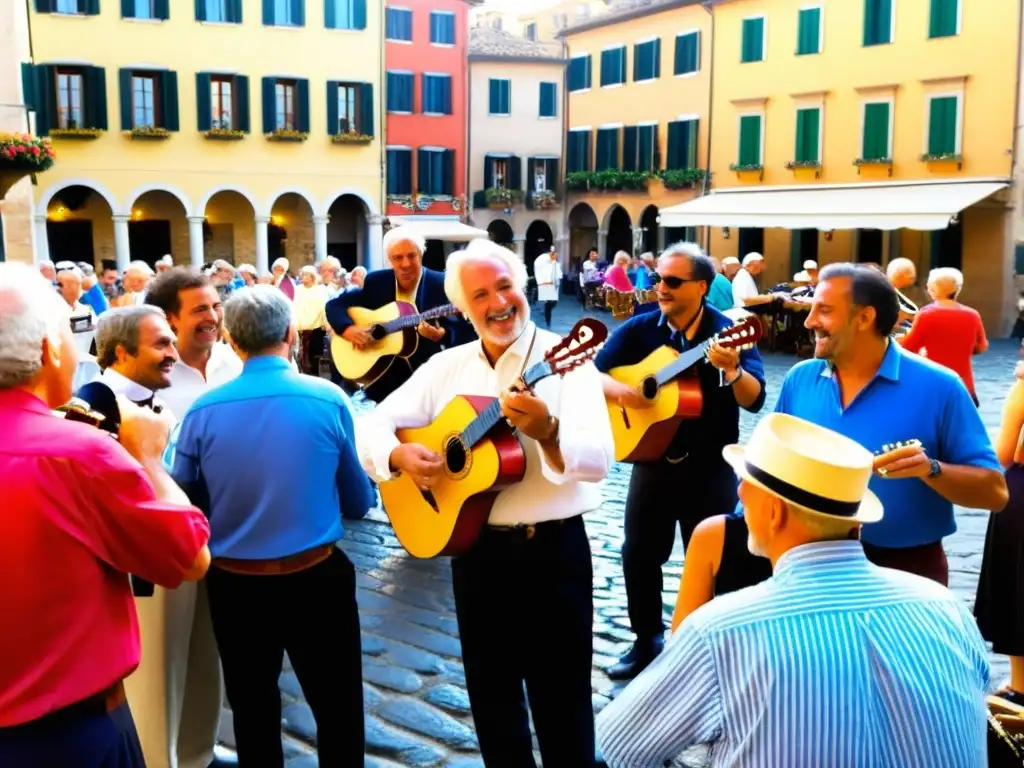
[[808, 465]]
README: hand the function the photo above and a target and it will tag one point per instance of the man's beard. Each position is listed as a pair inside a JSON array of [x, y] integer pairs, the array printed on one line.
[[522, 317]]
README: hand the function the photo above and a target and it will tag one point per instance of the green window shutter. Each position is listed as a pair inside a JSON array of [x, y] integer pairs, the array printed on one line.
[[169, 100], [269, 106], [44, 6], [302, 108], [876, 132], [942, 113], [809, 34], [234, 11], [750, 140], [422, 171], [299, 12], [753, 40], [495, 96], [366, 111], [332, 107], [95, 80], [331, 14], [638, 65], [551, 173], [645, 147], [586, 157], [89, 7], [656, 53], [943, 21], [358, 14], [808, 124], [515, 173], [488, 172], [242, 103], [448, 167], [200, 9], [204, 108], [506, 86], [124, 78], [45, 78], [687, 58], [127, 9], [877, 22], [607, 149], [1019, 259], [629, 148], [162, 9], [268, 13], [548, 100], [692, 132], [29, 90], [672, 150]]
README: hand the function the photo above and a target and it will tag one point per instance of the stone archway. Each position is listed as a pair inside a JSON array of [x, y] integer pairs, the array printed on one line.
[[291, 219], [539, 239], [620, 233], [500, 231], [158, 226], [347, 231], [79, 226], [649, 230], [582, 233], [229, 228]]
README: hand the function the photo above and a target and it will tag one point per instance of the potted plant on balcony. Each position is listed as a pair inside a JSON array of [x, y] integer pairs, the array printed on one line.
[[74, 131], [681, 178], [802, 167], [287, 134], [148, 132], [22, 155], [874, 162], [351, 136], [943, 161], [499, 197], [748, 171], [221, 130], [544, 199]]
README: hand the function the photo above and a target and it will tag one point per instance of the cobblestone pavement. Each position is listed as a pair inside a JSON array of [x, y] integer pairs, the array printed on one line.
[[417, 710]]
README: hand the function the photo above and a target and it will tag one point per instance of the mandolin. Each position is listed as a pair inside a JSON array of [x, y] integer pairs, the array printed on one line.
[[644, 434], [393, 328], [891, 452], [481, 454]]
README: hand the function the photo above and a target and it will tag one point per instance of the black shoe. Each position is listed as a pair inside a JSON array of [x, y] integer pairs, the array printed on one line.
[[636, 659]]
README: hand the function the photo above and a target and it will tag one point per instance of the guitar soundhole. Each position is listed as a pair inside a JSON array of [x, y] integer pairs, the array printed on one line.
[[378, 332], [649, 388], [455, 456]]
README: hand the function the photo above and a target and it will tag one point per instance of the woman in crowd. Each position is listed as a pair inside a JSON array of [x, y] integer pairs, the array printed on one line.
[[616, 276]]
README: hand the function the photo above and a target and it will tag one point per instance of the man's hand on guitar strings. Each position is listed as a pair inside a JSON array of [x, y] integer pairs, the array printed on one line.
[[360, 338], [428, 331], [724, 359], [526, 412], [419, 462], [904, 462]]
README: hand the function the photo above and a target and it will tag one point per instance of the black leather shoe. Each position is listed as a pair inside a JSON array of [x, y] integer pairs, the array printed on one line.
[[636, 659], [222, 758]]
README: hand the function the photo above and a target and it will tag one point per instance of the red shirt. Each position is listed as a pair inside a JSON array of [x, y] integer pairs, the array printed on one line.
[[77, 514], [948, 334]]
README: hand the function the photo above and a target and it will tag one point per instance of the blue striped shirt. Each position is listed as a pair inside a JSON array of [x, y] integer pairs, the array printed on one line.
[[831, 662]]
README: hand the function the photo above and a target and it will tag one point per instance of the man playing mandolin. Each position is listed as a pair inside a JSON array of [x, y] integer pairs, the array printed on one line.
[[691, 481], [524, 591], [408, 281]]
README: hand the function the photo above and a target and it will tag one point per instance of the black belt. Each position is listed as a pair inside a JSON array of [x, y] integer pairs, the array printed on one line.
[[104, 702], [529, 530]]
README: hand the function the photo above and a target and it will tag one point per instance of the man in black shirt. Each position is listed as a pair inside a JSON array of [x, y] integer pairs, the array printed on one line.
[[691, 481]]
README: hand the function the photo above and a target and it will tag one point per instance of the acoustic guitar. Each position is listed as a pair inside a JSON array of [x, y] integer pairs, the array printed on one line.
[[393, 328], [644, 434], [481, 454]]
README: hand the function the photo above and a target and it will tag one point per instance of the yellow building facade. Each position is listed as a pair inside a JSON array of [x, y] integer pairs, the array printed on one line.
[[638, 85], [214, 129], [895, 119]]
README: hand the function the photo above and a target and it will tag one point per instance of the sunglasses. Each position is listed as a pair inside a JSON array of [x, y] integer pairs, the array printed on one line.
[[671, 281]]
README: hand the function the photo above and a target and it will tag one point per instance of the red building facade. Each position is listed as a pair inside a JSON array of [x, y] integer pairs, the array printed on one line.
[[426, 102]]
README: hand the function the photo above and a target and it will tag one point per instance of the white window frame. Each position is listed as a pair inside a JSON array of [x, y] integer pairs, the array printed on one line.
[[891, 101], [450, 91], [700, 50], [821, 23], [764, 36], [443, 13], [526, 30], [642, 41], [760, 112], [499, 114], [820, 106], [958, 145], [582, 56], [548, 117], [625, 74], [391, 39]]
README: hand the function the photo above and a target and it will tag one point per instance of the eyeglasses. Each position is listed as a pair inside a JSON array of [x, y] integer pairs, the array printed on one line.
[[671, 281]]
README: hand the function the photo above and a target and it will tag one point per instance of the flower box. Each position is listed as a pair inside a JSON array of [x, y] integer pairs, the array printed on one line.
[[75, 133], [943, 162], [351, 137], [224, 134], [804, 168], [282, 134], [22, 155], [748, 171], [681, 178], [499, 197], [148, 132], [876, 163]]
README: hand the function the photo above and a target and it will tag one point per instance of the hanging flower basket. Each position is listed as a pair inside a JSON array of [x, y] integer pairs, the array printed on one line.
[[286, 134], [351, 137], [22, 155], [76, 133], [224, 134], [148, 132]]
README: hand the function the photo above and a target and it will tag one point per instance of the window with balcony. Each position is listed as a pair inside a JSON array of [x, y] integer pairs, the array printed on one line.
[[145, 9], [66, 97], [500, 97], [284, 13], [222, 102], [399, 181], [349, 108], [943, 126], [548, 100], [149, 99], [687, 58], [219, 11], [945, 18], [607, 157], [753, 39], [877, 133], [580, 73], [503, 172], [437, 94], [879, 21], [345, 14], [613, 66], [808, 36], [578, 150], [400, 87], [808, 136], [398, 25], [681, 150], [285, 105], [442, 28], [435, 171], [750, 149], [647, 60]]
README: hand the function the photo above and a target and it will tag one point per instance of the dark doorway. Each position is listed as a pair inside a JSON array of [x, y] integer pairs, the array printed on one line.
[[276, 238], [675, 235], [149, 240], [620, 234], [501, 232], [538, 240], [434, 256], [751, 240], [582, 234], [346, 253], [947, 246], [71, 240], [649, 225], [803, 245], [869, 246]]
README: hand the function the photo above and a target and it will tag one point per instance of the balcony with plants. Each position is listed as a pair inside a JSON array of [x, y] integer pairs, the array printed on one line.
[[614, 180], [22, 155], [502, 197], [541, 200], [222, 130]]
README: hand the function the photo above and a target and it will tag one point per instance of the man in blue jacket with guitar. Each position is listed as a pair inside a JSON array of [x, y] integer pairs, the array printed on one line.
[[410, 282]]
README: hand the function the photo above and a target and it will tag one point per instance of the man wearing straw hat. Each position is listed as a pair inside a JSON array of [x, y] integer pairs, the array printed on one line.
[[833, 661]]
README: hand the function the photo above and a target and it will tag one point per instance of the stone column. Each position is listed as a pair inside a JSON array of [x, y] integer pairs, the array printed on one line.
[[42, 244], [373, 257], [661, 239], [602, 243], [563, 245], [196, 251], [262, 245], [122, 247], [520, 242], [320, 237]]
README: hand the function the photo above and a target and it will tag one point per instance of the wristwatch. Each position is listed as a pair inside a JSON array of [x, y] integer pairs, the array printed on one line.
[[936, 469], [737, 377]]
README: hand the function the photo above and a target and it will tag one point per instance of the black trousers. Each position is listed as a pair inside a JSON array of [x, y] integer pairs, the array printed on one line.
[[525, 607], [311, 349], [313, 616], [549, 307], [74, 738], [662, 496]]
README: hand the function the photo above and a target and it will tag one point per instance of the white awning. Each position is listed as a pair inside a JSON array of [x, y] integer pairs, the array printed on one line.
[[891, 205], [451, 230]]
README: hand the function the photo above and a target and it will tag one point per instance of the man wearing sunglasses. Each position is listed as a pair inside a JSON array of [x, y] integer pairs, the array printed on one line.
[[691, 481]]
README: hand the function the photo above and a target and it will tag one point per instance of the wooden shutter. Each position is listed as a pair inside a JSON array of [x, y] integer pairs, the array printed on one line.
[[448, 171], [235, 11], [942, 125], [204, 107], [44, 6], [162, 9], [753, 40], [268, 13], [551, 173], [943, 20], [807, 128], [299, 12], [750, 140], [331, 14], [809, 33], [366, 109], [629, 148], [302, 106], [515, 173], [168, 85], [124, 77], [200, 8], [332, 107], [89, 7], [876, 131], [241, 84], [877, 22], [672, 153], [269, 106], [494, 102], [29, 89], [127, 9], [358, 14], [656, 53], [645, 147], [422, 171], [95, 81], [488, 172], [45, 81]]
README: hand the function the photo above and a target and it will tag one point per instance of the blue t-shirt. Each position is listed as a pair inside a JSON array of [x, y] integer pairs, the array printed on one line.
[[909, 398], [720, 293]]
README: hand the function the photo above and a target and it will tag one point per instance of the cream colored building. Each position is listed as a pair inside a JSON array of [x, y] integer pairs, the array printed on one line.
[[16, 233], [545, 23], [516, 109]]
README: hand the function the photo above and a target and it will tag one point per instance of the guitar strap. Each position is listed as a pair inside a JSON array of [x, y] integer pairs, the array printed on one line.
[[529, 351]]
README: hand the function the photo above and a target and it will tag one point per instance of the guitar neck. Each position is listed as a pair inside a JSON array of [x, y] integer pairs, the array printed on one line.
[[411, 321], [681, 363], [486, 421]]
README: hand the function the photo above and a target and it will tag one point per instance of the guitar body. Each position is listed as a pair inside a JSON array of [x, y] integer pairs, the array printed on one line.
[[449, 520], [367, 365], [644, 434]]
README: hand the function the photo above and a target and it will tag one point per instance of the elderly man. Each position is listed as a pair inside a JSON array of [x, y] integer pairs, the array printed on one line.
[[48, 270], [548, 274], [135, 349], [275, 516], [902, 274], [831, 662], [744, 286], [92, 291], [357, 277], [134, 281], [530, 572], [80, 510], [222, 275], [310, 301], [330, 274], [409, 281], [730, 266], [248, 274], [164, 263]]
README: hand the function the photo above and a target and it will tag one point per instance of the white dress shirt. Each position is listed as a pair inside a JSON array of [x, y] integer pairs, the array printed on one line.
[[187, 383], [122, 385], [743, 287], [548, 274], [310, 302], [577, 400]]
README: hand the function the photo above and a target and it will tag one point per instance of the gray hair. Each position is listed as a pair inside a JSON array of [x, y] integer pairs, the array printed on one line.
[[404, 234], [31, 312], [258, 318], [901, 265], [358, 270], [479, 250], [950, 277], [121, 327]]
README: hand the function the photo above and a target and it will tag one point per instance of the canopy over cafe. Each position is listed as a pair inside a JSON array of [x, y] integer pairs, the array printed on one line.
[[962, 224]]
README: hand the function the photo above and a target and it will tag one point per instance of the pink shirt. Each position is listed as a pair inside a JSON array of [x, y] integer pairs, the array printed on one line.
[[617, 278], [77, 514]]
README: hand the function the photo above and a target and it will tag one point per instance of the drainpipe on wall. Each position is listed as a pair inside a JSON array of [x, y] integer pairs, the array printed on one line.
[[383, 121], [467, 101], [563, 185], [711, 99]]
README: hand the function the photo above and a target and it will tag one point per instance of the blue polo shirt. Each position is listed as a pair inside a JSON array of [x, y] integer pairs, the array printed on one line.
[[909, 398], [271, 456], [720, 293]]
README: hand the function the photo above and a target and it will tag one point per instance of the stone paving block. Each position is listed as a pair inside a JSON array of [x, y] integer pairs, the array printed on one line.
[[289, 684], [417, 598], [372, 645], [298, 719], [428, 721], [405, 749], [376, 762], [465, 762], [391, 677], [421, 637], [440, 621], [372, 698], [373, 600], [413, 658], [293, 748], [454, 673], [449, 697]]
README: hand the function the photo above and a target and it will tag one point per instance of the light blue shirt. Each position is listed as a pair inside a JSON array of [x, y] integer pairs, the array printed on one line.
[[271, 458], [909, 398], [720, 293], [833, 662]]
